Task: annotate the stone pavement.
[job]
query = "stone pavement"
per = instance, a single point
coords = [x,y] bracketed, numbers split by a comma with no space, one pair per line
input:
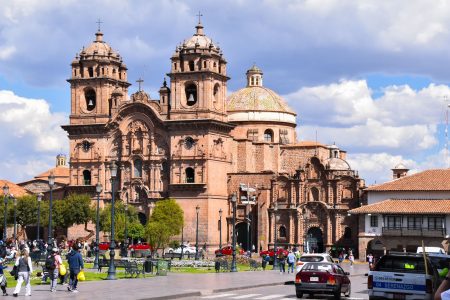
[175,285]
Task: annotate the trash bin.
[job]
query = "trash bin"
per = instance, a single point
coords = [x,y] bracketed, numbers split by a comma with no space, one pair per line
[148,266]
[161,267]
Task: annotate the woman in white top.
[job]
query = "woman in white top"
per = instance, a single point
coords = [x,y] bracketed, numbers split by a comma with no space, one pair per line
[24,270]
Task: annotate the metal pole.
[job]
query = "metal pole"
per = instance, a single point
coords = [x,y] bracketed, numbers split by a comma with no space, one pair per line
[196,239]
[248,230]
[5,216]
[39,221]
[182,246]
[126,225]
[220,232]
[112,267]
[15,222]
[275,259]
[50,235]
[97,226]
[233,261]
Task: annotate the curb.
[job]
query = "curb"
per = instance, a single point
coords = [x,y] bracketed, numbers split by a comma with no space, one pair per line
[248,287]
[176,296]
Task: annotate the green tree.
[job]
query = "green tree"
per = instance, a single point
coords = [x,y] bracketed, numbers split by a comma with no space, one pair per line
[135,228]
[166,221]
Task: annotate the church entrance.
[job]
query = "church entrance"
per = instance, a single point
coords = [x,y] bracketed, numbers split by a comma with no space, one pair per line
[242,235]
[314,240]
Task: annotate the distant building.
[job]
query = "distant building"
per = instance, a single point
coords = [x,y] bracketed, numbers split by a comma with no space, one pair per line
[406,211]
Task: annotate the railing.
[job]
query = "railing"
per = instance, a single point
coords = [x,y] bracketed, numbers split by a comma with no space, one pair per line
[414,231]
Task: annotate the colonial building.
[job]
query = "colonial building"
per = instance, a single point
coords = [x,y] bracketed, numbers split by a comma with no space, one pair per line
[406,211]
[193,144]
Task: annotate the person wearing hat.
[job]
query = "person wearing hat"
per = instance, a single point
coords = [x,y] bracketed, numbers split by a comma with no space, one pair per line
[54,274]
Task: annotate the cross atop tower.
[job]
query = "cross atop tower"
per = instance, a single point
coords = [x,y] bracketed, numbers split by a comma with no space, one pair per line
[139,81]
[99,22]
[199,15]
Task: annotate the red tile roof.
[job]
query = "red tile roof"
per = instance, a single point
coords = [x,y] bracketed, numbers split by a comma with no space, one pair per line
[14,189]
[429,180]
[405,206]
[61,174]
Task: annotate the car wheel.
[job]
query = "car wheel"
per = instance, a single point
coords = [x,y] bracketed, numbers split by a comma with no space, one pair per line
[298,294]
[171,251]
[349,291]
[337,294]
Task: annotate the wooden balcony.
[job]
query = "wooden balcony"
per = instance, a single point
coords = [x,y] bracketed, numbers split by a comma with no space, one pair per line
[405,231]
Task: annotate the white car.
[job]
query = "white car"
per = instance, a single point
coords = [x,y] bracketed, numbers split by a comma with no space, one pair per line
[313,257]
[187,249]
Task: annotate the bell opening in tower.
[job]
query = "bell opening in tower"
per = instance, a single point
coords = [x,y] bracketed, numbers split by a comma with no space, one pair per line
[90,97]
[191,94]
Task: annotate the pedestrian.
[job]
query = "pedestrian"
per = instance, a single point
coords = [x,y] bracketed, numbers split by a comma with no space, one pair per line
[370,260]
[54,261]
[76,265]
[351,258]
[341,257]
[282,262]
[443,291]
[24,269]
[291,261]
[3,282]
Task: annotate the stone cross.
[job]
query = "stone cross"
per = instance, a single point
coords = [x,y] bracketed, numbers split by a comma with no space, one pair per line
[99,22]
[139,81]
[199,16]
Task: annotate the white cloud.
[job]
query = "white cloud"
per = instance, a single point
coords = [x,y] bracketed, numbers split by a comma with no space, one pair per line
[7,52]
[31,135]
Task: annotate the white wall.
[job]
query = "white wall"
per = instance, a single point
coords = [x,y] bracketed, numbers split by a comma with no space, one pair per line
[374,197]
[372,231]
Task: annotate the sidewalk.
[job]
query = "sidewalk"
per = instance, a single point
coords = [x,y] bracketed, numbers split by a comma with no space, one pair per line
[175,285]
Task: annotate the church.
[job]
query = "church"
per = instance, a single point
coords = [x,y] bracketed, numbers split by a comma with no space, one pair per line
[203,147]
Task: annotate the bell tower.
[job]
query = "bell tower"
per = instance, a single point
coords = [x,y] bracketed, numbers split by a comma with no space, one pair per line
[198,79]
[97,71]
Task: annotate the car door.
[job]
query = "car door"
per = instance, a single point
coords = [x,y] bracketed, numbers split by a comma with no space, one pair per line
[345,281]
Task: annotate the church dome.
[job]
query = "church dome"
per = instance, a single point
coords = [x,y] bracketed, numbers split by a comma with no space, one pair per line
[336,163]
[256,98]
[99,49]
[199,41]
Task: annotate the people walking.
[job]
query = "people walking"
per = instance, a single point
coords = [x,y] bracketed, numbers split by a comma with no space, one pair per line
[3,283]
[291,261]
[75,261]
[53,268]
[24,269]
[282,262]
[351,258]
[370,260]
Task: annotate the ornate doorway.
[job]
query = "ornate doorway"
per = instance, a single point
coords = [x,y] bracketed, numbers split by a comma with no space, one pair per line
[314,240]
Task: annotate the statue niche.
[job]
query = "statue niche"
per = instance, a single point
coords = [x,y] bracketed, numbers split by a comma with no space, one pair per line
[137,133]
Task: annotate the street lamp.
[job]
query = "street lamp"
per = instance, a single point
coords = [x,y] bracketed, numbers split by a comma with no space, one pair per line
[51,183]
[39,199]
[126,223]
[233,261]
[11,196]
[5,200]
[197,210]
[305,243]
[112,267]
[98,190]
[220,228]
[275,252]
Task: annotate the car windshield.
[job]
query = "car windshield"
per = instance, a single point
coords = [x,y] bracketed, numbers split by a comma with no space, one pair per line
[311,258]
[321,267]
[403,264]
[440,262]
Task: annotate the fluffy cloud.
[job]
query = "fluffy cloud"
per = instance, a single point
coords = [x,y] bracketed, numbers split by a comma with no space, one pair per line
[31,136]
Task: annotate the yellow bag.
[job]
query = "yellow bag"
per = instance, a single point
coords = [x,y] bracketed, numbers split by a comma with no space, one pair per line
[81,276]
[62,270]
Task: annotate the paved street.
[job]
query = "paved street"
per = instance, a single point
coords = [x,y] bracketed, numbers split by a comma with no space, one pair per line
[193,286]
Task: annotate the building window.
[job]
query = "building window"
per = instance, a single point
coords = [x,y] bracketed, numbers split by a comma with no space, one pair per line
[347,233]
[91,71]
[91,99]
[373,221]
[87,177]
[282,232]
[284,139]
[190,175]
[191,94]
[191,65]
[216,92]
[204,64]
[137,168]
[268,136]
[394,222]
[252,135]
[314,194]
[414,222]
[434,223]
[175,66]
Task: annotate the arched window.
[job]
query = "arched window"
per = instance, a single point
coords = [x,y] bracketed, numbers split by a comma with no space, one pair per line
[348,233]
[191,94]
[87,177]
[282,232]
[314,194]
[174,66]
[216,92]
[204,64]
[91,71]
[137,168]
[190,175]
[191,65]
[91,99]
[268,136]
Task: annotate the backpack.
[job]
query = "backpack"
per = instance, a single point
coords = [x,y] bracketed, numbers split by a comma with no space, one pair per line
[50,263]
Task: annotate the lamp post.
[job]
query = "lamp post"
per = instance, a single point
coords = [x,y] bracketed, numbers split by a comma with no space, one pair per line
[197,210]
[275,252]
[233,261]
[126,223]
[11,196]
[305,246]
[112,267]
[39,199]
[98,190]
[220,228]
[51,183]
[5,200]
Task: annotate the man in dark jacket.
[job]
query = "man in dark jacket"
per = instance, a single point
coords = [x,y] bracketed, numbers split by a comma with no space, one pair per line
[75,261]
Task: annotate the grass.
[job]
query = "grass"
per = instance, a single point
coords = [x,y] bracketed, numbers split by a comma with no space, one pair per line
[191,270]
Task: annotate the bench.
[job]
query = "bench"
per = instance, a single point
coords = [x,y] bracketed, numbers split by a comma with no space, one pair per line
[254,265]
[132,268]
[105,263]
[172,255]
[224,266]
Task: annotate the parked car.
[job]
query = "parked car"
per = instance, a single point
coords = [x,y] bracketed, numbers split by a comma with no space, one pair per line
[313,257]
[187,249]
[322,278]
[140,246]
[271,252]
[103,246]
[228,250]
[402,276]
[441,262]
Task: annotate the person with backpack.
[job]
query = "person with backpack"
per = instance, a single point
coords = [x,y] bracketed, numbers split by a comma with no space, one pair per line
[75,261]
[24,270]
[52,264]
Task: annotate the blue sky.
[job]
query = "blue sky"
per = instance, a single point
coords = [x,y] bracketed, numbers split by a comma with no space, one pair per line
[370,76]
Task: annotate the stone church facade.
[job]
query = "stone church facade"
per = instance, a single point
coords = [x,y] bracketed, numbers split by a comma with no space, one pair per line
[199,147]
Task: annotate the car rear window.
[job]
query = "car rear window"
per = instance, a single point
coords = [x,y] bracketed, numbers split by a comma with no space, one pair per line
[311,258]
[318,267]
[401,264]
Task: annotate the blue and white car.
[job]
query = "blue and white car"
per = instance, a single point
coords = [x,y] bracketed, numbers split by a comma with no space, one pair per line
[403,276]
